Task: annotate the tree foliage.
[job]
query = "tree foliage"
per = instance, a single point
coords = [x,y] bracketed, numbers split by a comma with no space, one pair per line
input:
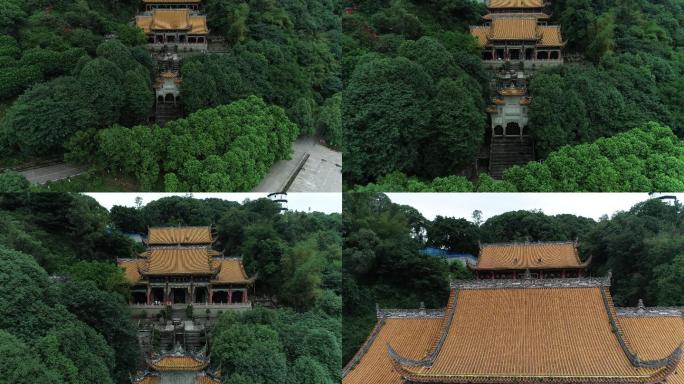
[227,148]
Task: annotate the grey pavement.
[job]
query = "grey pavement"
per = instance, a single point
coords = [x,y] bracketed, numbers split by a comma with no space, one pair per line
[322,171]
[55,172]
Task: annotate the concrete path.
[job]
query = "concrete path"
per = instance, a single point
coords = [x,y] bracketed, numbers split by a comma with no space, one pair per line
[320,172]
[54,172]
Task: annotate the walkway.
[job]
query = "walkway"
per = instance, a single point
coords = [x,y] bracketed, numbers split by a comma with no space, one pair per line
[53,172]
[313,168]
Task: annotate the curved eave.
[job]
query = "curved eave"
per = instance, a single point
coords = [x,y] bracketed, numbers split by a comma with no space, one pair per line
[413,374]
[364,348]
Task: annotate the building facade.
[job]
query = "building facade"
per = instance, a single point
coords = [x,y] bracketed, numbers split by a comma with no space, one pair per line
[523,330]
[174,24]
[180,268]
[177,367]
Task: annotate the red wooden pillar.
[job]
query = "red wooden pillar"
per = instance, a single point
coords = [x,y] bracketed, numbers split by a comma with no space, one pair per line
[230,296]
[149,293]
[209,290]
[244,298]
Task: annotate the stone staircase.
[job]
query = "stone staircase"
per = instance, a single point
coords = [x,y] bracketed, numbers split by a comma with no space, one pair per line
[166,112]
[507,151]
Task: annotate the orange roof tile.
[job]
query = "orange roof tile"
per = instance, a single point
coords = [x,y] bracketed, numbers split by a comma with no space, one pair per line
[131,269]
[513,29]
[651,337]
[179,235]
[412,337]
[536,15]
[480,33]
[143,22]
[172,19]
[550,36]
[199,25]
[515,4]
[528,256]
[231,271]
[512,91]
[531,333]
[178,363]
[207,380]
[178,261]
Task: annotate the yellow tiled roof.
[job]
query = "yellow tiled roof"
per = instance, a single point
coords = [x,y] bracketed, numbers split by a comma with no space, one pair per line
[480,33]
[412,338]
[539,333]
[652,337]
[179,235]
[513,29]
[207,380]
[178,261]
[528,256]
[173,19]
[199,25]
[515,4]
[178,363]
[550,36]
[536,15]
[231,271]
[143,22]
[131,269]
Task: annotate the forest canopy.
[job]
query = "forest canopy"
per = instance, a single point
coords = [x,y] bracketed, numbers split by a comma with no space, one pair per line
[74,74]
[624,70]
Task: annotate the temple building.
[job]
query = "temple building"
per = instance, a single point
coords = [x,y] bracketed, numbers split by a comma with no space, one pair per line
[517,31]
[524,330]
[174,24]
[177,367]
[180,267]
[516,39]
[544,260]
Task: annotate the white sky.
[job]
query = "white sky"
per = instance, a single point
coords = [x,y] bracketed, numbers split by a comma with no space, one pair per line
[592,205]
[304,202]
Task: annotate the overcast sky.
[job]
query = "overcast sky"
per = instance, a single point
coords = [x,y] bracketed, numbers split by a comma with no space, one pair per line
[592,205]
[304,202]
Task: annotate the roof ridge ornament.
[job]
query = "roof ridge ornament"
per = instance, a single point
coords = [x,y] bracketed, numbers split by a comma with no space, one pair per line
[579,282]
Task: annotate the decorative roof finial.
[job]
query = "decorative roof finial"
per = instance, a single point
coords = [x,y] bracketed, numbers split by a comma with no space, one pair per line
[641,306]
[528,275]
[422,308]
[377,310]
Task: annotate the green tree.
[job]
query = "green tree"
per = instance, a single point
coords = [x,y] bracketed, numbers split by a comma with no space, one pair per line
[385,106]
[11,181]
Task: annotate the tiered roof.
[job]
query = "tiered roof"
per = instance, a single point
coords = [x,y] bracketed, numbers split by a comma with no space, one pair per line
[517,29]
[176,361]
[177,251]
[172,19]
[497,4]
[559,330]
[521,256]
[179,235]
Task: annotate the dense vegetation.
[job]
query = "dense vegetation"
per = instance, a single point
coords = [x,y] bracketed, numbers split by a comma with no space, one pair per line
[286,52]
[646,159]
[227,148]
[643,247]
[74,75]
[400,119]
[75,327]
